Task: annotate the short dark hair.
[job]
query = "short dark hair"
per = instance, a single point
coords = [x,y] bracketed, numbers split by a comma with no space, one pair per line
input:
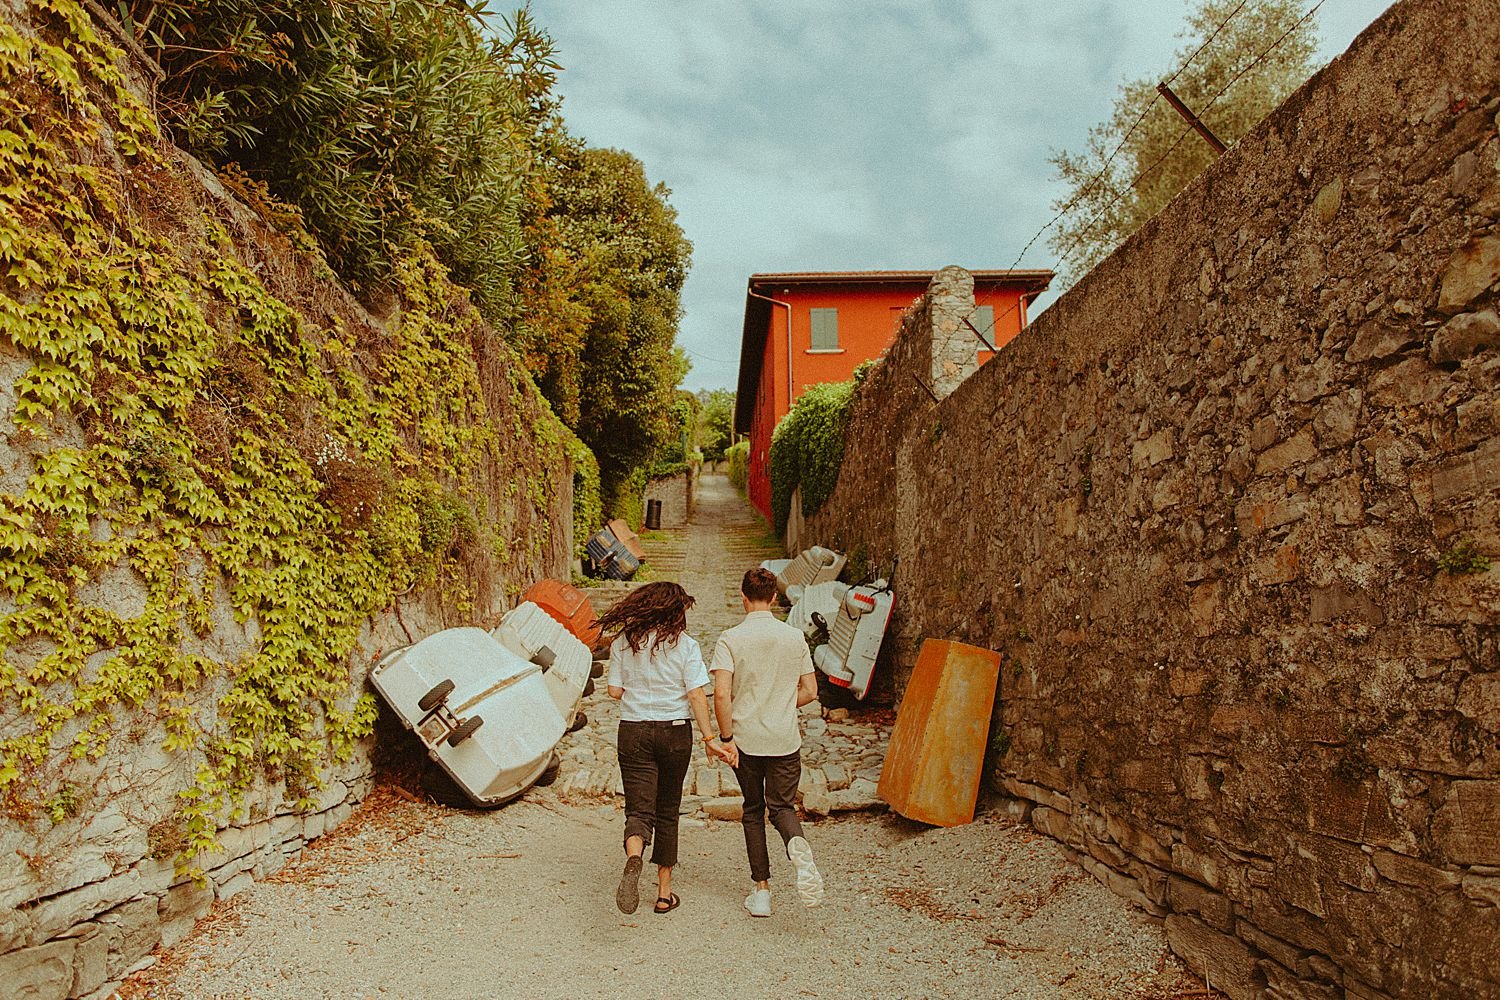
[759,585]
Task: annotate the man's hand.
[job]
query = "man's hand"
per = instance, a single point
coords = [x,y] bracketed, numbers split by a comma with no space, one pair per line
[727,752]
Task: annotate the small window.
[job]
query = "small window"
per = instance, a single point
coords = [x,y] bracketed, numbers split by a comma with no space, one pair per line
[825,329]
[983,319]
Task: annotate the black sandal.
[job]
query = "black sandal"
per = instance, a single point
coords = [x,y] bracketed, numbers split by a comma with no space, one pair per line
[672,903]
[628,895]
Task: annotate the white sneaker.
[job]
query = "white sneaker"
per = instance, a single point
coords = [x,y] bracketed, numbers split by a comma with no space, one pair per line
[809,881]
[759,903]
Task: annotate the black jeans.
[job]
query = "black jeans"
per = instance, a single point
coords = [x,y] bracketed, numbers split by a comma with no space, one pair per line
[654,758]
[768,783]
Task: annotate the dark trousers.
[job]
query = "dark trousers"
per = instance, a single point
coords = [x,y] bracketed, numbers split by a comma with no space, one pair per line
[654,758]
[768,783]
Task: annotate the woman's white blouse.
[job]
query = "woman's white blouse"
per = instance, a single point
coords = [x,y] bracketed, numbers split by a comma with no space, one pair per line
[656,683]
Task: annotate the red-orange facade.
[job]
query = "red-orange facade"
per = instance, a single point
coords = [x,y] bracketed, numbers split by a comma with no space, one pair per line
[804,329]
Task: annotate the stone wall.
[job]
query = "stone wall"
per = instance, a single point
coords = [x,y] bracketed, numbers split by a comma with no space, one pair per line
[1212,506]
[84,898]
[676,496]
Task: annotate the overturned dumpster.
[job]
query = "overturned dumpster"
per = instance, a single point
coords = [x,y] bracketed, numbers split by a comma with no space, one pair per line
[614,552]
[850,621]
[491,707]
[808,568]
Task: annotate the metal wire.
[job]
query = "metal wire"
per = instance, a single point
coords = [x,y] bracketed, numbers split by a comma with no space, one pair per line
[1063,257]
[1092,181]
[1076,241]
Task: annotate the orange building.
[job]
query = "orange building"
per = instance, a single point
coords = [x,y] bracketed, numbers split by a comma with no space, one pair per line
[802,329]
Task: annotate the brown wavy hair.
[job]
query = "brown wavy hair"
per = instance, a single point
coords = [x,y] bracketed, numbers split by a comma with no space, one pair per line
[656,609]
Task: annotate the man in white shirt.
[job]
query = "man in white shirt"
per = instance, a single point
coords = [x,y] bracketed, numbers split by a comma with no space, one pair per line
[762,674]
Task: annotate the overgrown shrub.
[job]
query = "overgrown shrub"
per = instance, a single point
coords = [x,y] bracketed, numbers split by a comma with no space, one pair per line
[588,505]
[807,449]
[738,456]
[380,121]
[626,498]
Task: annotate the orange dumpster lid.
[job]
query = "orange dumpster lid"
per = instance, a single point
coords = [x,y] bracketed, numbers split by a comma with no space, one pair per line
[569,606]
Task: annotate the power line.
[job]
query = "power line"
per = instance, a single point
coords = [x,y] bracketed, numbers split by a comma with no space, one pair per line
[705,357]
[1077,239]
[1104,170]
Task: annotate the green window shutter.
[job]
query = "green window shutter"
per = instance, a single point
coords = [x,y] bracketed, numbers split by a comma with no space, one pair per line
[825,329]
[984,321]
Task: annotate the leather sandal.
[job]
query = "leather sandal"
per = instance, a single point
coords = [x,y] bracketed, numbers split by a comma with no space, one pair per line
[672,903]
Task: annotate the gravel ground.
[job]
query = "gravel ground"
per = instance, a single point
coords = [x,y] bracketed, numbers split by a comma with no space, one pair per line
[412,900]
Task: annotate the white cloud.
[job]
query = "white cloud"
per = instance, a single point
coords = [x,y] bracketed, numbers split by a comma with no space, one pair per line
[817,134]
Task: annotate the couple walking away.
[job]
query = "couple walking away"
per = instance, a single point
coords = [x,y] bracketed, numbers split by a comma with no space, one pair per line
[762,673]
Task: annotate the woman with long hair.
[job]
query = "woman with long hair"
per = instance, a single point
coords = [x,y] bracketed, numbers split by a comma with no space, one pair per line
[656,671]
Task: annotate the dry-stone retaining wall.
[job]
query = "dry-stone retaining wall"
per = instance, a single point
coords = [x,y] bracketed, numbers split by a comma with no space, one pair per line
[1225,508]
[84,899]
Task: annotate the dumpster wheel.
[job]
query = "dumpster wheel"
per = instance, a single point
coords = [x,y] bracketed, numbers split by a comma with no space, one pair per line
[464,730]
[439,694]
[550,772]
[579,721]
[588,687]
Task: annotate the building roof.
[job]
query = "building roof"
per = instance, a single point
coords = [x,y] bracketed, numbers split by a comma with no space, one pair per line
[758,311]
[1035,281]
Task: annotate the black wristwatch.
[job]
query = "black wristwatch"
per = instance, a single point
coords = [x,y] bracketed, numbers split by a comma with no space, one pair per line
[725,739]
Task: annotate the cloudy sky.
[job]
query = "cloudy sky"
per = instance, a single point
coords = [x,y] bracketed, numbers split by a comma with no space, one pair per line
[835,134]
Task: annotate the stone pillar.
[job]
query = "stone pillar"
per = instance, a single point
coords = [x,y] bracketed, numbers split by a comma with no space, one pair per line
[955,349]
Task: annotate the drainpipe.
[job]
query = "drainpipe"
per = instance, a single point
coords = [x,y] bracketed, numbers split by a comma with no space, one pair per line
[788,307]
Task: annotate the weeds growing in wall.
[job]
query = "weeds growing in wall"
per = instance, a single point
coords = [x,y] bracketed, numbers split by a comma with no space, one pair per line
[188,429]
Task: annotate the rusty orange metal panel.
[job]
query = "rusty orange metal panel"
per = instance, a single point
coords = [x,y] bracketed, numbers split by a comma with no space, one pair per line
[932,767]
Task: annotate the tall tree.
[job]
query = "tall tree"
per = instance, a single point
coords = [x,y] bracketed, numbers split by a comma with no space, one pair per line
[611,259]
[1225,80]
[715,422]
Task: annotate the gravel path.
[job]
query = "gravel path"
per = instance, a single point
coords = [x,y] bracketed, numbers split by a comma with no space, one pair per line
[414,900]
[411,901]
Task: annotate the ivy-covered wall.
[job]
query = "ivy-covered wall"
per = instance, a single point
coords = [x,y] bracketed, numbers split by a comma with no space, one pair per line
[225,486]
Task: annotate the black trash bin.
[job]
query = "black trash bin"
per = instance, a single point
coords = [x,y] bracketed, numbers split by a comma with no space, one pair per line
[653,515]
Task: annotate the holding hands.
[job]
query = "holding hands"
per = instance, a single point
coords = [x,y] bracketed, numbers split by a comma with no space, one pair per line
[726,752]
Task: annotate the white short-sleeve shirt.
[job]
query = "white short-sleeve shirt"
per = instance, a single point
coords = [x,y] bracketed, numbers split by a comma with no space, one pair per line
[768,658]
[656,681]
